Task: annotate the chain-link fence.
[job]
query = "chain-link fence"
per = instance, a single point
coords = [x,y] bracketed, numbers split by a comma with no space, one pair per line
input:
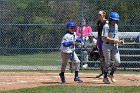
[31,30]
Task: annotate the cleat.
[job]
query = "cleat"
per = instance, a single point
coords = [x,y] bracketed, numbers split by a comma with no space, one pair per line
[78,80]
[99,76]
[106,81]
[112,78]
[62,78]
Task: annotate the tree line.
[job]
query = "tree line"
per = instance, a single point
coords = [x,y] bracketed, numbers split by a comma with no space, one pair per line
[52,15]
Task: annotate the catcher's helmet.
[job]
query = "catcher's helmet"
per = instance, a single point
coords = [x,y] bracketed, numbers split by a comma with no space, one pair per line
[114,16]
[70,24]
[94,54]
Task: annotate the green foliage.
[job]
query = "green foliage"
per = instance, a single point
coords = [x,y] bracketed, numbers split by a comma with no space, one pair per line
[48,12]
[41,20]
[21,3]
[20,19]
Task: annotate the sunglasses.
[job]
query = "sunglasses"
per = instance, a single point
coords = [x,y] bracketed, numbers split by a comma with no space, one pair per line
[98,14]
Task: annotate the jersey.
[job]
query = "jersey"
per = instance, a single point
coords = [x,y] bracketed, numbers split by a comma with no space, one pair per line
[100,25]
[68,38]
[110,31]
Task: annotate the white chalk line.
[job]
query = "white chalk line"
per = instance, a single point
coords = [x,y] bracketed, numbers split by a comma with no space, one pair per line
[27,79]
[9,83]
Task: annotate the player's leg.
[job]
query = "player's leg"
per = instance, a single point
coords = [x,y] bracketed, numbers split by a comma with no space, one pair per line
[116,59]
[77,67]
[85,59]
[71,63]
[101,58]
[85,55]
[64,57]
[106,53]
[71,66]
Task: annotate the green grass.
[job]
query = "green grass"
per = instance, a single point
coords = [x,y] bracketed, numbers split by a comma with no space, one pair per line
[52,58]
[79,89]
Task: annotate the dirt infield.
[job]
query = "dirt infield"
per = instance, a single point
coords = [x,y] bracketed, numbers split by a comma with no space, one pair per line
[18,80]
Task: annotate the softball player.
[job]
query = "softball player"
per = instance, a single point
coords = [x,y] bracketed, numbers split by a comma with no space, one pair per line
[68,51]
[102,16]
[110,46]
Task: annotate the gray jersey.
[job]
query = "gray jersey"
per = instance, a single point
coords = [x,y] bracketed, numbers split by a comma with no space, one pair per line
[110,50]
[110,31]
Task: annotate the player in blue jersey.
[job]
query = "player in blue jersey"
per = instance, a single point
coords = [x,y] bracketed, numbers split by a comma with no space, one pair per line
[68,43]
[111,41]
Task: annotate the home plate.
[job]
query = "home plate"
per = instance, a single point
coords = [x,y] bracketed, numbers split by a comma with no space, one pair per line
[22,81]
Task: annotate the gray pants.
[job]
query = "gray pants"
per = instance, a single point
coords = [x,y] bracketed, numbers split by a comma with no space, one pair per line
[110,51]
[85,56]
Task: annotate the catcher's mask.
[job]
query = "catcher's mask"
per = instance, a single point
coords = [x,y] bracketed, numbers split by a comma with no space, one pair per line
[94,54]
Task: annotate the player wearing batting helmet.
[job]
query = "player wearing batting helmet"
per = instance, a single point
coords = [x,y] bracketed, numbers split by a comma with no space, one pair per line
[111,40]
[67,49]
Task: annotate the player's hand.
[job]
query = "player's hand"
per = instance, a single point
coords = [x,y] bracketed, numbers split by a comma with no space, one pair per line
[121,41]
[74,42]
[117,41]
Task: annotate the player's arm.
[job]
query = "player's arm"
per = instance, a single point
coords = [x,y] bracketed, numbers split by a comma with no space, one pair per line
[105,33]
[107,39]
[79,41]
[66,41]
[111,40]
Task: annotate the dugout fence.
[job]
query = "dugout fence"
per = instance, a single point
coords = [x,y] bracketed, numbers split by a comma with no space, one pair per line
[31,31]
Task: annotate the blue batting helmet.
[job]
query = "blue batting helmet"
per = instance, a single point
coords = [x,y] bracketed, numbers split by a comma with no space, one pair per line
[114,16]
[70,24]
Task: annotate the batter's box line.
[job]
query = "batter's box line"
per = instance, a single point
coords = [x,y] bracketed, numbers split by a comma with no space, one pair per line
[10,83]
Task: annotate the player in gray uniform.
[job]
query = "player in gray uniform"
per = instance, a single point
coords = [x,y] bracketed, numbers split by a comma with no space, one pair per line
[110,46]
